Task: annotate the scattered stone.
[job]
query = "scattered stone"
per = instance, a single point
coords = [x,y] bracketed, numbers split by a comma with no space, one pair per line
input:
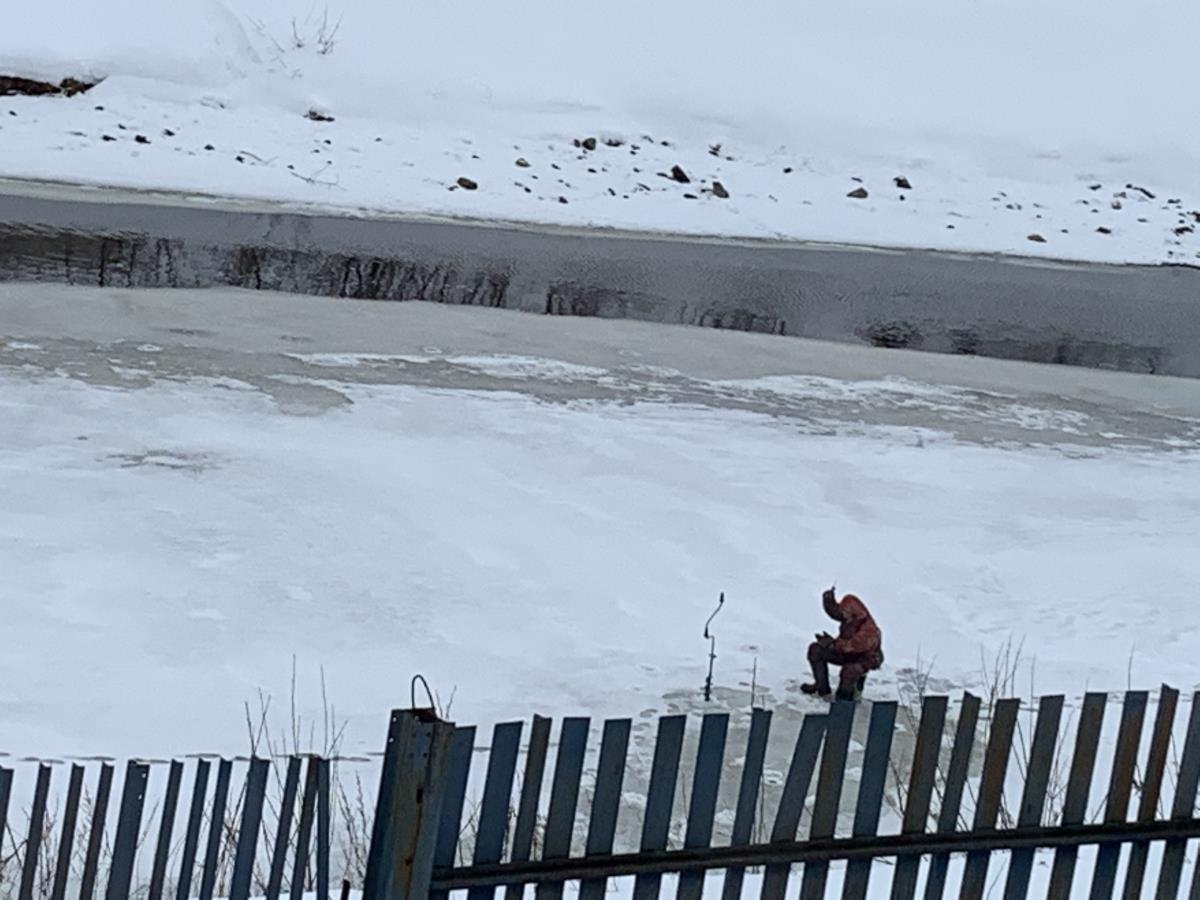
[589,143]
[240,158]
[1184,229]
[99,109]
[107,137]
[1143,219]
[613,142]
[122,127]
[562,200]
[677,174]
[209,147]
[859,193]
[902,183]
[718,190]
[1036,238]
[556,167]
[714,150]
[167,132]
[690,197]
[1116,204]
[950,227]
[856,178]
[141,139]
[467,184]
[1095,187]
[1142,190]
[591,171]
[522,163]
[902,198]
[1104,230]
[787,170]
[316,115]
[612,192]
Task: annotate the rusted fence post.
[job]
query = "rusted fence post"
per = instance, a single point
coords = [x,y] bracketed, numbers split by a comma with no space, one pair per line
[404,837]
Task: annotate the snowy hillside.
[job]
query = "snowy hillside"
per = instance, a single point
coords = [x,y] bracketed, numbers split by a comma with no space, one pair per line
[1062,130]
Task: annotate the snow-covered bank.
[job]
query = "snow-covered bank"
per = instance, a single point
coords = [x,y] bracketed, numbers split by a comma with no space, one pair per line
[194,489]
[1019,128]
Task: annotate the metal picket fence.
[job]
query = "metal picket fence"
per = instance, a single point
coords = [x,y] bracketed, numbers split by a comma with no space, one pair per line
[203,837]
[972,798]
[992,806]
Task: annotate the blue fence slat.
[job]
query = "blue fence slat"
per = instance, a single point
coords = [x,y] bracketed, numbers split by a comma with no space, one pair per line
[287,809]
[497,797]
[129,826]
[91,858]
[308,808]
[531,792]
[1152,781]
[323,836]
[792,800]
[991,793]
[564,798]
[706,781]
[956,782]
[166,829]
[660,798]
[606,800]
[66,840]
[33,843]
[1182,807]
[829,793]
[1033,798]
[191,837]
[1079,788]
[870,794]
[458,770]
[6,777]
[1120,789]
[920,791]
[248,829]
[216,828]
[744,816]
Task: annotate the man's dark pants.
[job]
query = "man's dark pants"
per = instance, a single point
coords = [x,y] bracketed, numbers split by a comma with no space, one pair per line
[854,668]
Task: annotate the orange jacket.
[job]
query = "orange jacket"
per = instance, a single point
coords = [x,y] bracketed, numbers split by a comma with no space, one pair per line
[858,634]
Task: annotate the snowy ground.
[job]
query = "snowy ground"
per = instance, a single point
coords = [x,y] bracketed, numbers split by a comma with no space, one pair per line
[1063,130]
[538,513]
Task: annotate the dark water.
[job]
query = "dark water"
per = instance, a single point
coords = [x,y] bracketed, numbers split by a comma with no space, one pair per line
[1141,319]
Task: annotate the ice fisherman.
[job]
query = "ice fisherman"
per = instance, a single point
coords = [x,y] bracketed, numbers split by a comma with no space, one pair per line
[858,648]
